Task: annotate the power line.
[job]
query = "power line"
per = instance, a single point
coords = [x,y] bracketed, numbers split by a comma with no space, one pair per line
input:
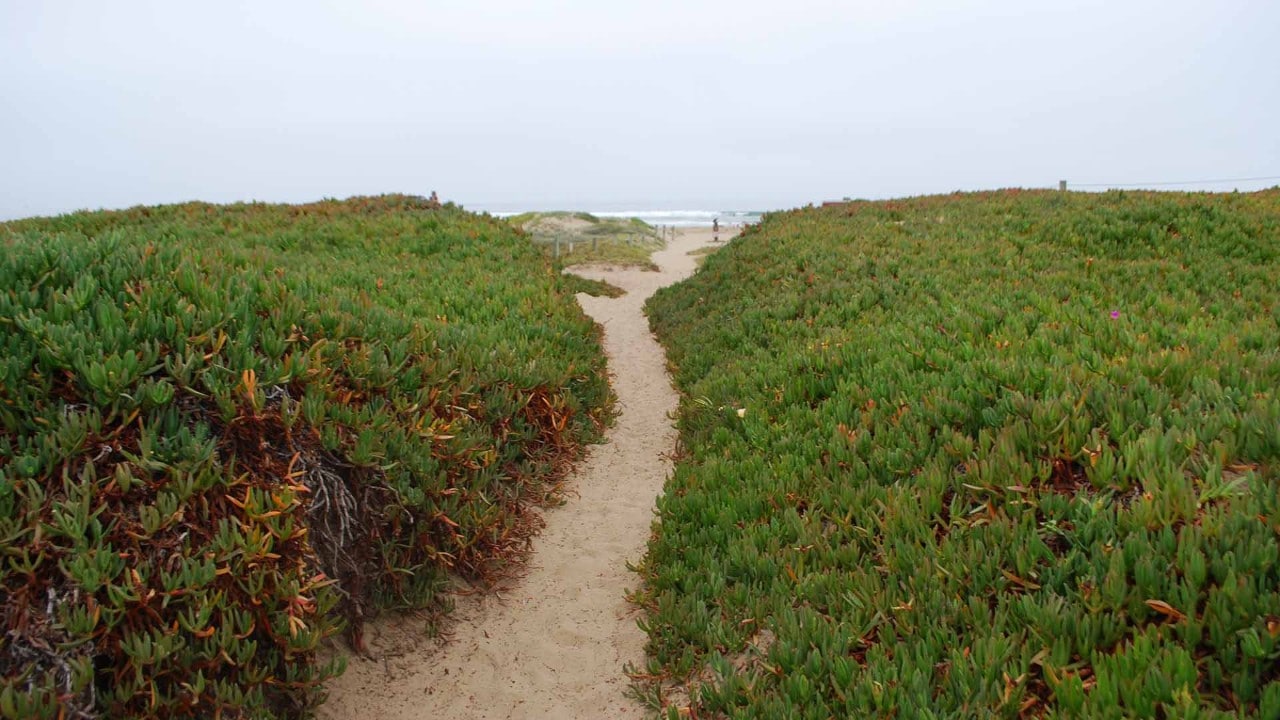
[1178,182]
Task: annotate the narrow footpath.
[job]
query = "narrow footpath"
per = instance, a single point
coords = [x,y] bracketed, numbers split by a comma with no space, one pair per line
[555,644]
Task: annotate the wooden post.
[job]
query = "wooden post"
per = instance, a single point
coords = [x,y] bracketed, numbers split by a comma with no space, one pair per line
[1062,185]
[556,253]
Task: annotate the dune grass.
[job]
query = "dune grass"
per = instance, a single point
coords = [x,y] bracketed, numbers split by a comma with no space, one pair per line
[585,239]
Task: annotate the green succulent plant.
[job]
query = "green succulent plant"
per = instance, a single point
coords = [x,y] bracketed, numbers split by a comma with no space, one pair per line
[1007,454]
[229,432]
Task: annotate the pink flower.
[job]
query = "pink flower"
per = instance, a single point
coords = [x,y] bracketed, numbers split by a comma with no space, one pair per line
[1115,314]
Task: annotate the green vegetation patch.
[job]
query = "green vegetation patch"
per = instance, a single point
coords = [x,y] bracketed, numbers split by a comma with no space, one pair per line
[581,238]
[700,254]
[1010,454]
[227,430]
[596,288]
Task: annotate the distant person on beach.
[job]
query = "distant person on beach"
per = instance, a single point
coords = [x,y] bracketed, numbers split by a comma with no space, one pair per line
[715,229]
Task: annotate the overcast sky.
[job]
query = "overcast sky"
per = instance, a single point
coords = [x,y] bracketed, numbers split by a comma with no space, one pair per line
[599,104]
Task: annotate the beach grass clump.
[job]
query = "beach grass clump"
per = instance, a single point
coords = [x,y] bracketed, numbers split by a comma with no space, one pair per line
[1008,454]
[596,288]
[228,432]
[582,238]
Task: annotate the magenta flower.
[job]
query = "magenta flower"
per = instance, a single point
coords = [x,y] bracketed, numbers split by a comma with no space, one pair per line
[1115,314]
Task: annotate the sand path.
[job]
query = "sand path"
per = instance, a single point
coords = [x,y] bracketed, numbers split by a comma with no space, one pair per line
[555,644]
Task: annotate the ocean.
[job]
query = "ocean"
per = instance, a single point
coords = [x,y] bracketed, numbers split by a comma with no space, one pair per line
[668,218]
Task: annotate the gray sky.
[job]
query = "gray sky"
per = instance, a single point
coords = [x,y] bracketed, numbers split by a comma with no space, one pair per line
[608,105]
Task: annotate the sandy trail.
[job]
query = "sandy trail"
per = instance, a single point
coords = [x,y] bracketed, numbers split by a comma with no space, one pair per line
[553,646]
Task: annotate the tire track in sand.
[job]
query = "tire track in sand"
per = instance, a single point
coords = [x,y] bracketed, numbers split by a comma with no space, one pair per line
[553,646]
